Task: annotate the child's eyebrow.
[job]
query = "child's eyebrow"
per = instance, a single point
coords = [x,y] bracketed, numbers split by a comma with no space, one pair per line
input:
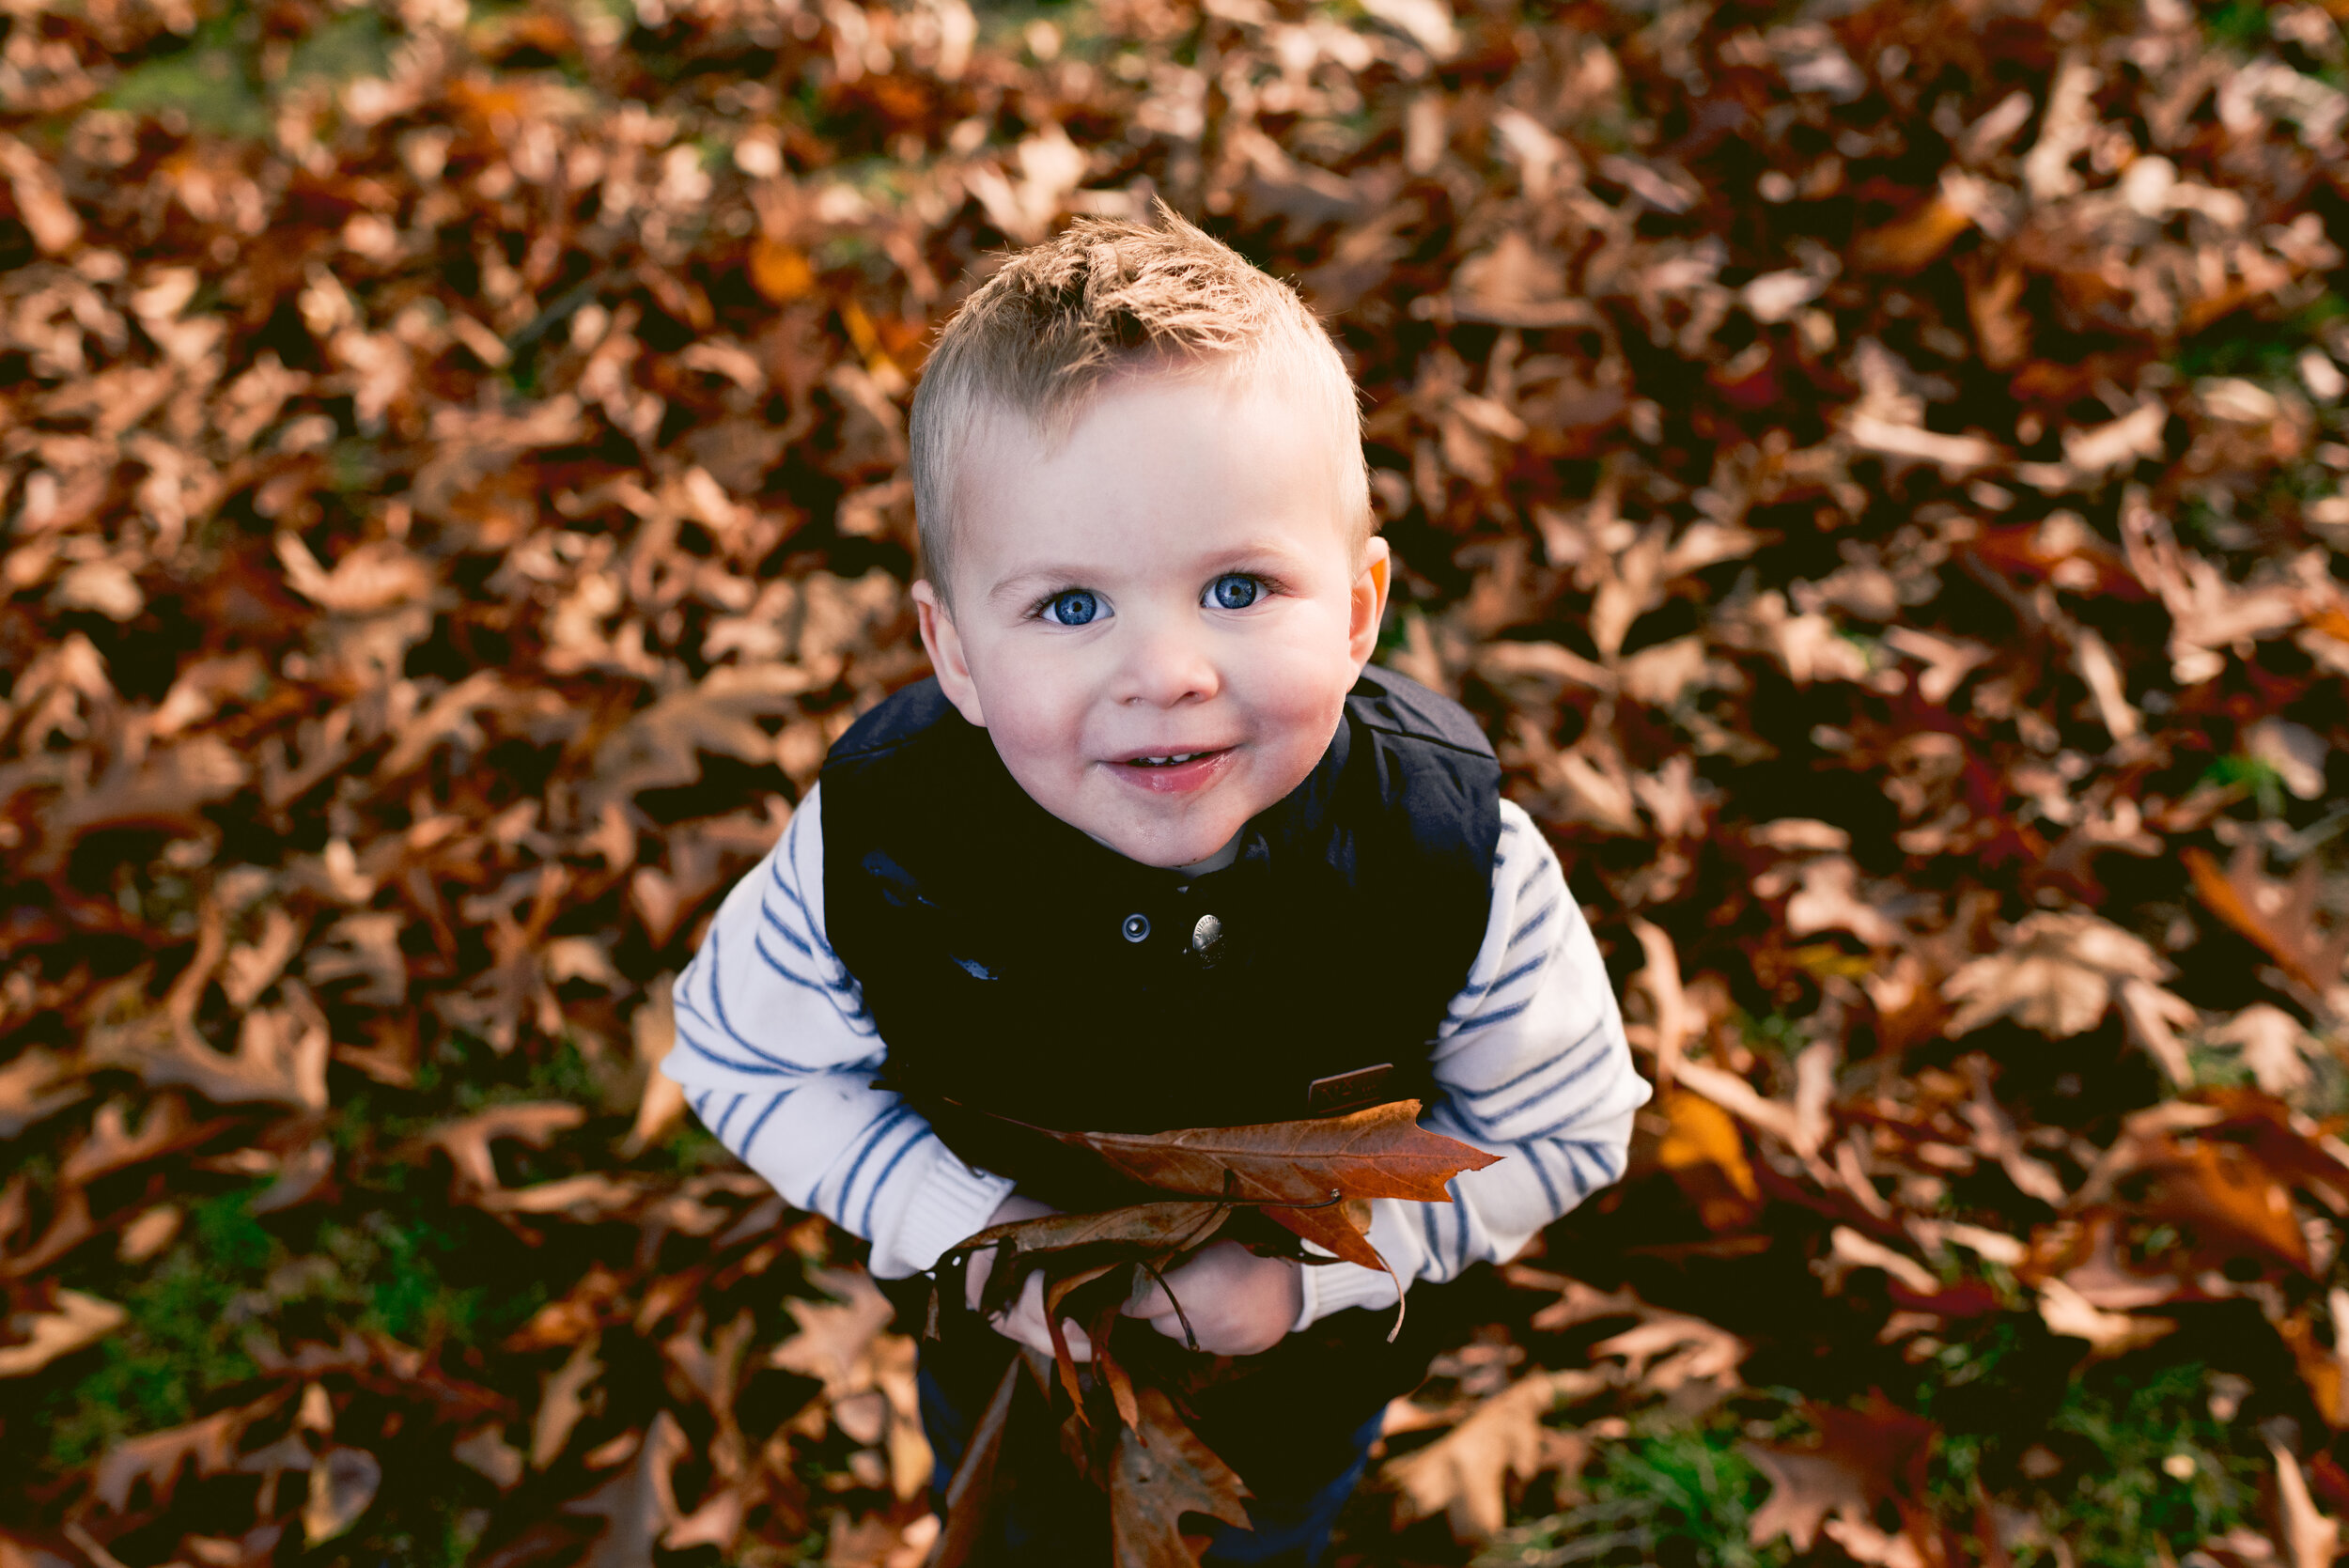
[1031,580]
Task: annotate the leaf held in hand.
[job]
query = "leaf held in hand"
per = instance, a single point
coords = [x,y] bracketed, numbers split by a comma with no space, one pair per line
[1164,1471]
[1301,1170]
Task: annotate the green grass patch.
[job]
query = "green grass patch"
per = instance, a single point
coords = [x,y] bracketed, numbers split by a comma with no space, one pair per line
[207,83]
[183,1341]
[2242,345]
[2124,1461]
[2256,776]
[1674,1492]
[2240,24]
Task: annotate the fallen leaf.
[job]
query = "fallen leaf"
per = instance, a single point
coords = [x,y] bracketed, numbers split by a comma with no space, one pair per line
[2066,1311]
[150,1233]
[2310,1539]
[34,1085]
[467,1142]
[1162,1472]
[157,1458]
[1708,1160]
[166,789]
[561,1403]
[661,746]
[1463,1474]
[835,1337]
[253,967]
[1804,1488]
[1669,1350]
[639,1504]
[653,1028]
[488,1452]
[2057,974]
[2280,917]
[37,1339]
[280,1056]
[1849,1249]
[971,1492]
[1861,1458]
[588,1198]
[2272,1042]
[1802,1125]
[343,1482]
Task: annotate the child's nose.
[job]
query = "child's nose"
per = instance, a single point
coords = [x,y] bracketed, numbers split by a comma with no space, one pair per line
[1163,666]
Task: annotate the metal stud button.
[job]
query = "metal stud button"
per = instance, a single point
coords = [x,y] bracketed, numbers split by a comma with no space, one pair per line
[1207,936]
[1136,928]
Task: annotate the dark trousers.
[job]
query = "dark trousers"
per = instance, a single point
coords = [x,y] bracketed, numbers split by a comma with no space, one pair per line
[1296,1422]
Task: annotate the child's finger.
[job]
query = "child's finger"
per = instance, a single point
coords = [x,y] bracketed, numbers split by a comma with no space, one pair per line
[975,1277]
[1031,1333]
[1025,1323]
[1149,1300]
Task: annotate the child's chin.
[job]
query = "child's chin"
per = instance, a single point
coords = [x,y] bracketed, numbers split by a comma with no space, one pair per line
[1151,844]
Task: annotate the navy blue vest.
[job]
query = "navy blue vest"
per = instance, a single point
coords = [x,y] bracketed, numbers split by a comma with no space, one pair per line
[1016,967]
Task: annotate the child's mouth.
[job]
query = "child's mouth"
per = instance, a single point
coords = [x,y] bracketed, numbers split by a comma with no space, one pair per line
[1173,771]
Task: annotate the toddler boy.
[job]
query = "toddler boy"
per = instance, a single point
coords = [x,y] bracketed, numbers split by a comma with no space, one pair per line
[1155,849]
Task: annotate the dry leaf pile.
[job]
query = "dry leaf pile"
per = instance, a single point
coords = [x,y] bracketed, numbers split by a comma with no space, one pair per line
[1879,469]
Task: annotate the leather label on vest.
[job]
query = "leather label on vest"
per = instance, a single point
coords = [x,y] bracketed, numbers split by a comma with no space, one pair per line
[1328,1097]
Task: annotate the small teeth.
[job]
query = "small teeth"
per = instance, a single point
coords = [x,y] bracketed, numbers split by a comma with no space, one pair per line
[1167,761]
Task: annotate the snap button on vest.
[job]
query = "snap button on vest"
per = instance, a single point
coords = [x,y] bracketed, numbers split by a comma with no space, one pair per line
[1136,928]
[1206,937]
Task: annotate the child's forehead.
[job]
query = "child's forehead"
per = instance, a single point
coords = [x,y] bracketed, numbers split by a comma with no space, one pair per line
[1161,438]
[1224,387]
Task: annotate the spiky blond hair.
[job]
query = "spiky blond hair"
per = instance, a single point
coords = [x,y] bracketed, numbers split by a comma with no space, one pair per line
[1044,336]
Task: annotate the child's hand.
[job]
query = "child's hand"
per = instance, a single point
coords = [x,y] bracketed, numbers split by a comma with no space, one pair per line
[1023,1320]
[1239,1303]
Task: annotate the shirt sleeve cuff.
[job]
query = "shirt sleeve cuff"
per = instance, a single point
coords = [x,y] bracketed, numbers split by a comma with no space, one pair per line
[951,1202]
[1332,1287]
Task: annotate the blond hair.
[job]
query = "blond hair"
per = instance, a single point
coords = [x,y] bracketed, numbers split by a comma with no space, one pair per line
[1105,297]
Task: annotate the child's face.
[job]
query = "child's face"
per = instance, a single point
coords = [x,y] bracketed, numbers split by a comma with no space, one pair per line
[1158,620]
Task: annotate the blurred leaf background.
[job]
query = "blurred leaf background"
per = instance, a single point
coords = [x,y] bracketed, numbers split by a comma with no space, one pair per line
[1878,469]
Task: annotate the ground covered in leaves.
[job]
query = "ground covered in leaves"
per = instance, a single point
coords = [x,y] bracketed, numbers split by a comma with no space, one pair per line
[1879,466]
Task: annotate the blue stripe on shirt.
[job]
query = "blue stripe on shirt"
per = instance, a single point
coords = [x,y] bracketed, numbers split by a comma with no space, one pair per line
[806,949]
[750,1138]
[870,1135]
[813,945]
[790,889]
[1574,1170]
[1540,917]
[765,1066]
[872,1194]
[1598,1059]
[1604,1156]
[1529,966]
[685,1039]
[1531,1152]
[856,1019]
[718,1003]
[1534,1071]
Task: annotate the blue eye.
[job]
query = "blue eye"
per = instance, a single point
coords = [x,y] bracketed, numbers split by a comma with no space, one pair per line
[1234,591]
[1076,607]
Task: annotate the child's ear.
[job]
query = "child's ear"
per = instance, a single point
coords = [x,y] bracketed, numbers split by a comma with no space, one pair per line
[944,645]
[1370,601]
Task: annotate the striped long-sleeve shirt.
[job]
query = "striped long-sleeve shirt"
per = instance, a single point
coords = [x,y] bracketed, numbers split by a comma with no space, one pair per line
[777,1054]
